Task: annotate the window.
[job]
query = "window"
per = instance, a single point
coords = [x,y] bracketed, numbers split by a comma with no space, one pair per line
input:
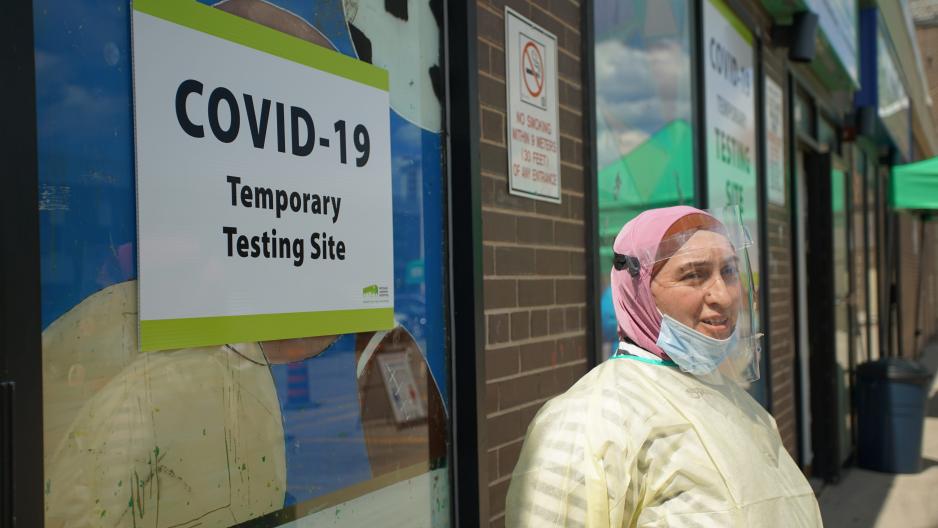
[644,138]
[219,435]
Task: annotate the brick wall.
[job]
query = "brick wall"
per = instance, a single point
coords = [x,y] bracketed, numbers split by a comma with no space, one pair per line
[781,310]
[535,280]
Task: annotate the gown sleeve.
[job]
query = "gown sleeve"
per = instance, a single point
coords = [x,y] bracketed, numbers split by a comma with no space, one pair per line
[575,466]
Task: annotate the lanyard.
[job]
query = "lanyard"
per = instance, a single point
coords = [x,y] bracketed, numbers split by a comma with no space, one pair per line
[659,362]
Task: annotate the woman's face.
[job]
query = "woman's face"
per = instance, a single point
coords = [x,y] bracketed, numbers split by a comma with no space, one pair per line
[700,286]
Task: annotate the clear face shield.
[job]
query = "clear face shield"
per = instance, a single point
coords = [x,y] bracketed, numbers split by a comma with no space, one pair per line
[703,286]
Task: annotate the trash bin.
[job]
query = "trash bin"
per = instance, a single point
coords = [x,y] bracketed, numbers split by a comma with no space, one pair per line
[891,398]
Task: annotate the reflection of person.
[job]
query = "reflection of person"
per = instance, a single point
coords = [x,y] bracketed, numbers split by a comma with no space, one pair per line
[165,438]
[662,434]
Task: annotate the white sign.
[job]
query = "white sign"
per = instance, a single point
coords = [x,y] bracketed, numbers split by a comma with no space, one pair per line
[403,394]
[729,92]
[533,134]
[774,143]
[263,182]
[730,113]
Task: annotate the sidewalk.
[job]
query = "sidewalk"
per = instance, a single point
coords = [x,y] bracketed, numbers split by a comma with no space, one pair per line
[868,498]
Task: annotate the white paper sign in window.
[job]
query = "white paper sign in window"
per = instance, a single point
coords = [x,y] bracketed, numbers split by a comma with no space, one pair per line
[263,182]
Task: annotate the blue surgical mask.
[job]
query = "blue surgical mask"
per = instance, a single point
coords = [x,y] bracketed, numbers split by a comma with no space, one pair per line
[693,352]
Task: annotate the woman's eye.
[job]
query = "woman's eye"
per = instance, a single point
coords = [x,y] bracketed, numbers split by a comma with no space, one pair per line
[691,276]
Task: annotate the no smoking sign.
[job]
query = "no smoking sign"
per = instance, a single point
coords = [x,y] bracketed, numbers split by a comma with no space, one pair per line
[533,108]
[533,71]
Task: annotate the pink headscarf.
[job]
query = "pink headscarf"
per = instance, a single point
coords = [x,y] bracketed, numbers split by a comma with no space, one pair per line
[636,312]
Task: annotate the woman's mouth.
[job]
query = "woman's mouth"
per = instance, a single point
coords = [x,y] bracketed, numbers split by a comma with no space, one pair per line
[718,326]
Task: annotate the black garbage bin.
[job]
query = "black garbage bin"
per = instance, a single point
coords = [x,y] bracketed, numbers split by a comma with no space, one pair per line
[891,398]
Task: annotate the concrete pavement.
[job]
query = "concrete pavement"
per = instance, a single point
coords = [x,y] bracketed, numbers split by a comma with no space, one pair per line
[881,500]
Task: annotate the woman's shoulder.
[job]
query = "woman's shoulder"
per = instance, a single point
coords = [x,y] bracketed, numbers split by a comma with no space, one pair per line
[612,396]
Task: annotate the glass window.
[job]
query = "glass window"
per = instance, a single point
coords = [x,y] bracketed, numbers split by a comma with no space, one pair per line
[804,114]
[644,140]
[894,106]
[827,134]
[280,431]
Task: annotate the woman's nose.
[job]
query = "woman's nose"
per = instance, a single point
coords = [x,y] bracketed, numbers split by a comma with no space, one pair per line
[718,293]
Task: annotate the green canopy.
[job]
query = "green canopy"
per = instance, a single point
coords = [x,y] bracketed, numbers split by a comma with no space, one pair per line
[657,173]
[915,185]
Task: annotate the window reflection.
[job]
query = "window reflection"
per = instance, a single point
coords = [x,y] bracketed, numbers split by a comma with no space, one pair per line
[347,428]
[644,139]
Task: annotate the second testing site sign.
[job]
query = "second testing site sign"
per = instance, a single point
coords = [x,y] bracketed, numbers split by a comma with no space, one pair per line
[533,135]
[263,182]
[729,85]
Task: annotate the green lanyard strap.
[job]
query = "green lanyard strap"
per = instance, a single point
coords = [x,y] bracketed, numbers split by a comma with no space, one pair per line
[659,362]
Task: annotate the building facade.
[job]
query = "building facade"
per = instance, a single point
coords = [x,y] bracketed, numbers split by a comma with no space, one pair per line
[373,350]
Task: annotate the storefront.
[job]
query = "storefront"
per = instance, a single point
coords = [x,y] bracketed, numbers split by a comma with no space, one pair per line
[288,263]
[236,274]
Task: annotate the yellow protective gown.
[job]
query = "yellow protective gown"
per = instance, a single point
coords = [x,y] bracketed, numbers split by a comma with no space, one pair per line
[634,443]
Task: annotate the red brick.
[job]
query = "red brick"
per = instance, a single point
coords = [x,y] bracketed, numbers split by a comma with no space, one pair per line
[535,230]
[500,293]
[492,92]
[538,355]
[488,260]
[498,329]
[571,178]
[556,320]
[498,63]
[569,234]
[536,292]
[571,319]
[493,126]
[506,427]
[552,262]
[502,362]
[570,123]
[497,494]
[570,94]
[493,159]
[498,227]
[513,260]
[482,57]
[571,291]
[520,326]
[507,458]
[492,457]
[491,398]
[490,26]
[539,325]
[495,193]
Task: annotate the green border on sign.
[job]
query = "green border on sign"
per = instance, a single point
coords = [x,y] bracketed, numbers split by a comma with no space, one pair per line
[169,334]
[239,30]
[733,20]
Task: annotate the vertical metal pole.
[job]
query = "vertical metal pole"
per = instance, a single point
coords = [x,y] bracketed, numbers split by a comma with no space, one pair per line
[594,265]
[21,489]
[467,326]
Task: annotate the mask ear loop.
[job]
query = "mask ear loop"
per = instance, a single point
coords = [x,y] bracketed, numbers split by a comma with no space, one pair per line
[620,262]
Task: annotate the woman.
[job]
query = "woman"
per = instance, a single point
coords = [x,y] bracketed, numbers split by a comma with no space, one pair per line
[663,434]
